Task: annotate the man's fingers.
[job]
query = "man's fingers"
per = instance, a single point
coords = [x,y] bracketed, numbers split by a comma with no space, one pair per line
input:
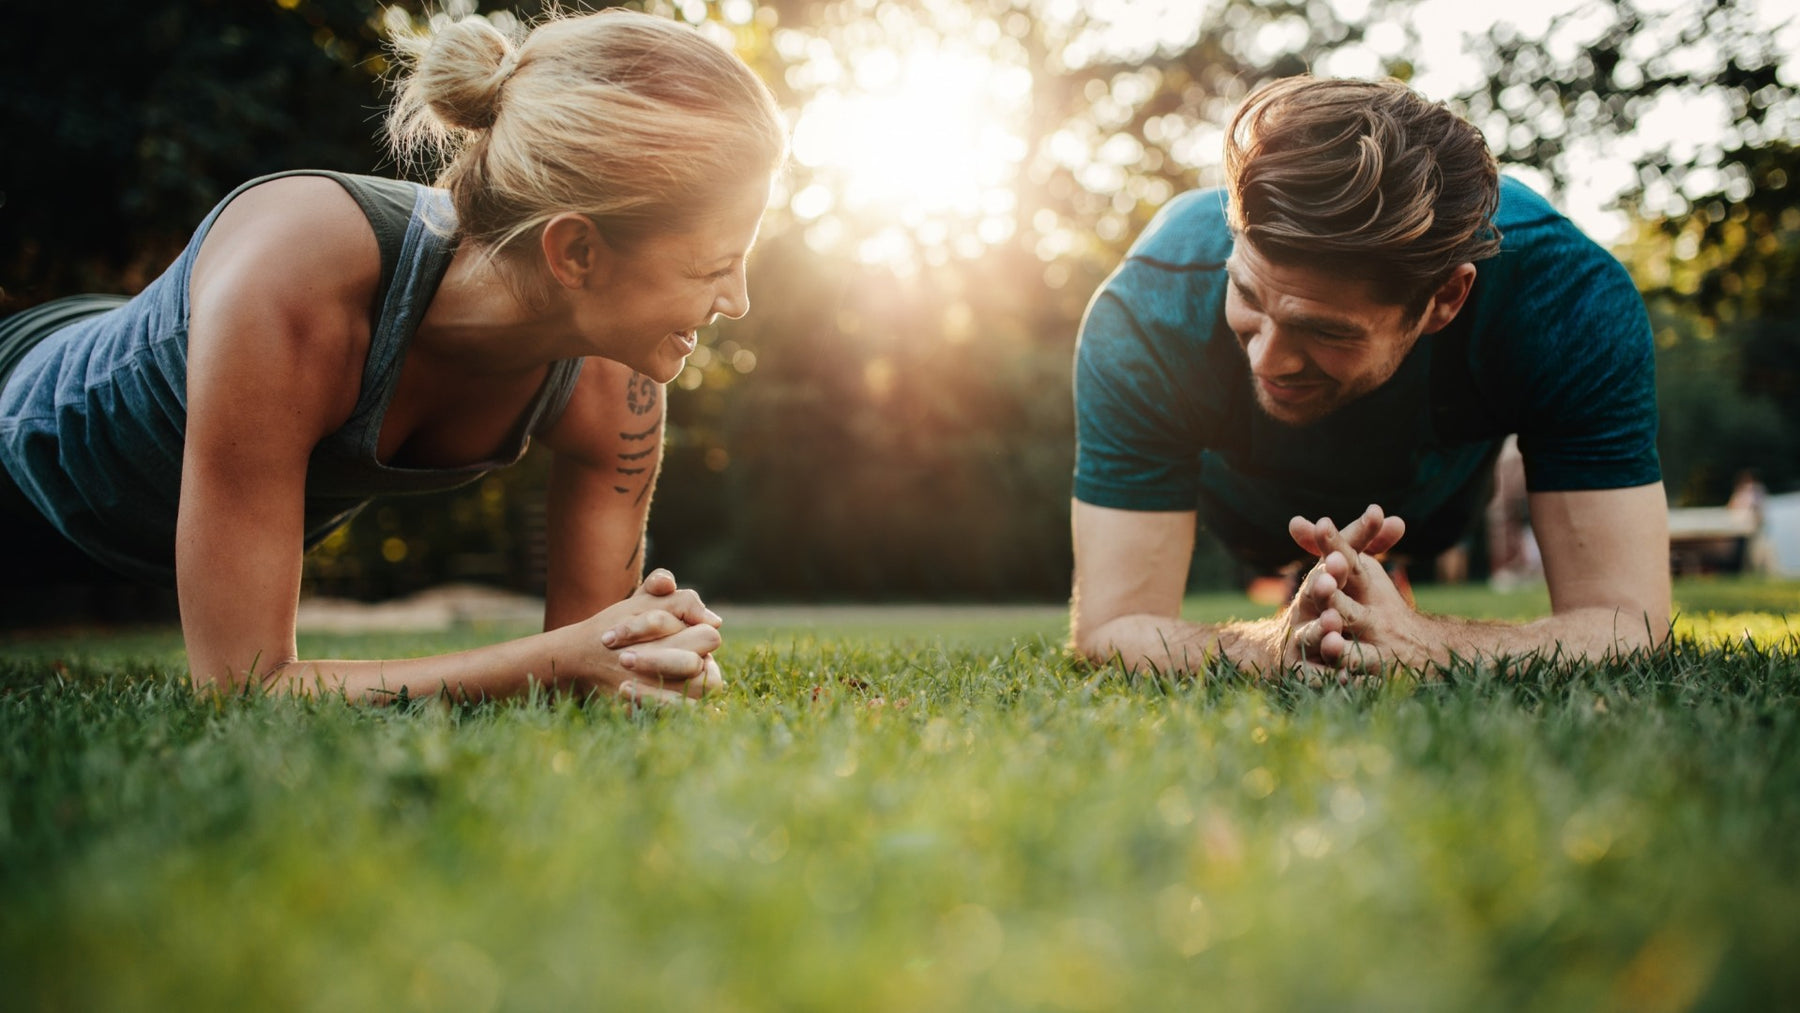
[1358,532]
[1352,614]
[1361,570]
[1333,543]
[1308,637]
[1319,586]
[1372,532]
[1391,531]
[1337,566]
[1331,648]
[1304,534]
[1356,657]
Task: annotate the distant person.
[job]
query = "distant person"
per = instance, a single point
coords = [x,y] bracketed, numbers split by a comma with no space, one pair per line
[1748,505]
[326,339]
[1512,550]
[1340,338]
[1748,496]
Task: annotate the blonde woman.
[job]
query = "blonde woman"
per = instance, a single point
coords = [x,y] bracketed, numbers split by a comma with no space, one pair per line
[328,339]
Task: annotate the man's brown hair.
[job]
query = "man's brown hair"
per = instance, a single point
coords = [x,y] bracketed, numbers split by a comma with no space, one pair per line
[1364,179]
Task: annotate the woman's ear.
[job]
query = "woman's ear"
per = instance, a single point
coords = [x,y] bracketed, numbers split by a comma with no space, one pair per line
[574,251]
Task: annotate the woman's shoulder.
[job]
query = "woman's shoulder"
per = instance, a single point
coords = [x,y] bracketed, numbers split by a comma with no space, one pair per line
[296,243]
[283,285]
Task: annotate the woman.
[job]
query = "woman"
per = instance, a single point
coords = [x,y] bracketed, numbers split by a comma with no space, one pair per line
[325,339]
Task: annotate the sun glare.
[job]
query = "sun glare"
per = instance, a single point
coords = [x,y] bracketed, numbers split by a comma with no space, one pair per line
[920,145]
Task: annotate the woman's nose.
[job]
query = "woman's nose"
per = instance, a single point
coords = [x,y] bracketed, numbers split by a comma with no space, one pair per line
[733,300]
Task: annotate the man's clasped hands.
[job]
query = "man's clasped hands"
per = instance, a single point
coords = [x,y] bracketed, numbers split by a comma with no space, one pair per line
[1348,619]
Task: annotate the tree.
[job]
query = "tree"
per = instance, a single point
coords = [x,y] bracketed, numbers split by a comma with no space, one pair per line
[120,140]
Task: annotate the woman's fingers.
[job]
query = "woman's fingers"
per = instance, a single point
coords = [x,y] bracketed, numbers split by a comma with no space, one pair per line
[659,582]
[637,693]
[645,626]
[670,597]
[674,658]
[710,680]
[661,692]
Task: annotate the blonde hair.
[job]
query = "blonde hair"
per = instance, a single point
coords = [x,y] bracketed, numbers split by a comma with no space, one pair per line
[640,123]
[1363,178]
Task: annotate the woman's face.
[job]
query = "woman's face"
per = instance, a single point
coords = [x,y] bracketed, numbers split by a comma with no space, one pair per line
[649,304]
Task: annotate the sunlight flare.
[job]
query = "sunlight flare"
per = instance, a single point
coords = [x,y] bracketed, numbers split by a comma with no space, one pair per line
[922,143]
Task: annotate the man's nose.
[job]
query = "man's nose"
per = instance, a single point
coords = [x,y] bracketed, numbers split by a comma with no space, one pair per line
[1273,352]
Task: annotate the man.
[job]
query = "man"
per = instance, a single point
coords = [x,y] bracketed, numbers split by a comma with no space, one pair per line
[1361,316]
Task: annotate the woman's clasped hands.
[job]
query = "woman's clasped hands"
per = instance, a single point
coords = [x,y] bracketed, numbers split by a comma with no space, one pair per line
[657,645]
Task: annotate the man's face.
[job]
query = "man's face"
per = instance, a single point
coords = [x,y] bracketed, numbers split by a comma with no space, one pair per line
[1315,342]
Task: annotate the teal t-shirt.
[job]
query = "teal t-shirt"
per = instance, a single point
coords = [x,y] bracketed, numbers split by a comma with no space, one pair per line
[1553,344]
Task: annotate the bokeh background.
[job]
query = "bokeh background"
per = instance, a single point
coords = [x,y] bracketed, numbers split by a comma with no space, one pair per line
[893,418]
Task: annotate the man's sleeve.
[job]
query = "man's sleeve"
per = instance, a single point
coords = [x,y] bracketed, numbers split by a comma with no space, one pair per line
[1591,419]
[1137,386]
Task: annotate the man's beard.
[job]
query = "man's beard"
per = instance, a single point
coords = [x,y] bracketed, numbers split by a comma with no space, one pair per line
[1327,398]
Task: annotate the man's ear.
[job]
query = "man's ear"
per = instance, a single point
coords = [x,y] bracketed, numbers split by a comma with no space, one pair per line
[1449,298]
[575,252]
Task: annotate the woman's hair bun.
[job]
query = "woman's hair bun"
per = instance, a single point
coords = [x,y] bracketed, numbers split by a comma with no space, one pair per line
[641,123]
[458,76]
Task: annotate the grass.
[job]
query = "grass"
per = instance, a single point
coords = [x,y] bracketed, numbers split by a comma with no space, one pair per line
[883,815]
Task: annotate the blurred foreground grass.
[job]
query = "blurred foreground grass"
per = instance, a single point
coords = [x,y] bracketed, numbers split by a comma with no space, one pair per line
[890,816]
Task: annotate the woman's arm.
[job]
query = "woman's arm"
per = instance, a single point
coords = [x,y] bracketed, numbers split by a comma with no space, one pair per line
[277,338]
[608,448]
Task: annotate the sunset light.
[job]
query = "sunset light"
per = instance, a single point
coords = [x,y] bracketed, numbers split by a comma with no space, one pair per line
[916,138]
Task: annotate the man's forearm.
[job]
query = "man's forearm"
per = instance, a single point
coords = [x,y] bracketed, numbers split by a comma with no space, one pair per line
[1145,643]
[1578,633]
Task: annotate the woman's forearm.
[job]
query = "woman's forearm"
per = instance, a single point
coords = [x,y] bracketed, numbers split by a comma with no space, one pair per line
[560,659]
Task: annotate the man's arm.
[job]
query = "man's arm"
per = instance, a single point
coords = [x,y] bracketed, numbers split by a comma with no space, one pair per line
[1606,558]
[1130,572]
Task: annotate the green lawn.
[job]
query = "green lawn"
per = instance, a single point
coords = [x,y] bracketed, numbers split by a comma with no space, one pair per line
[890,814]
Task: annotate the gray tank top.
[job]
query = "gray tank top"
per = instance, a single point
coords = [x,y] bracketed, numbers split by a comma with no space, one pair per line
[93,413]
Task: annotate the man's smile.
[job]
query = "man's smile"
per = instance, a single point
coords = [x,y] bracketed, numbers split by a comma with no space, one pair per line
[1290,391]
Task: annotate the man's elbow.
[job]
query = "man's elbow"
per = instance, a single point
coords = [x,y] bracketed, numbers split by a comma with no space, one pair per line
[1086,646]
[1654,628]
[1092,641]
[1634,627]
